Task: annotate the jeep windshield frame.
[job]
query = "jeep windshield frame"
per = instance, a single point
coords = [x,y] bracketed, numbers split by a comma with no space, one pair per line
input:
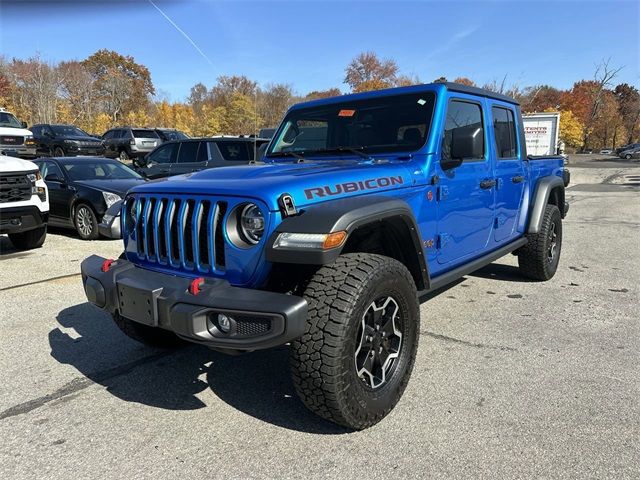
[381,124]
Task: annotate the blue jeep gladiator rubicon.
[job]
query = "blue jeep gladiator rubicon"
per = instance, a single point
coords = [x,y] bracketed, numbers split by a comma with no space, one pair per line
[360,205]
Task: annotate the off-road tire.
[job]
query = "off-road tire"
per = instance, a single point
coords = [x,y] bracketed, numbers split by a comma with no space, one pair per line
[82,212]
[150,336]
[323,360]
[534,258]
[30,239]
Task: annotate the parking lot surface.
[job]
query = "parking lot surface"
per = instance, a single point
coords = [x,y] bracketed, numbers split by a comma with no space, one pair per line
[513,378]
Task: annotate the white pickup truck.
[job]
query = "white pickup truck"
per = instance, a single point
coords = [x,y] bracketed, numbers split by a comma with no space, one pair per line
[24,203]
[15,139]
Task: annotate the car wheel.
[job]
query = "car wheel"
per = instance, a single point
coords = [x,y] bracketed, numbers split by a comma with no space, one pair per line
[539,258]
[29,239]
[86,222]
[123,156]
[58,152]
[355,358]
[627,157]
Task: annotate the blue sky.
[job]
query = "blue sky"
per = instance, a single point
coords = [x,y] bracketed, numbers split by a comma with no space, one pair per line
[308,43]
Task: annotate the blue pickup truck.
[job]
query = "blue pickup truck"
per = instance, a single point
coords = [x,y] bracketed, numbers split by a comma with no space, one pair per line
[359,206]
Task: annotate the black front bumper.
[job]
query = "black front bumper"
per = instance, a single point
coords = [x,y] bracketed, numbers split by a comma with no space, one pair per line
[21,219]
[259,319]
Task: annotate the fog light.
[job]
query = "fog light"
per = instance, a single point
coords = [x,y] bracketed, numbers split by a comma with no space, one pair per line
[224,323]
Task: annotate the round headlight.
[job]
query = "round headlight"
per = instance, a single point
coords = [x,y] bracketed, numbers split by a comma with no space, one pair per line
[251,223]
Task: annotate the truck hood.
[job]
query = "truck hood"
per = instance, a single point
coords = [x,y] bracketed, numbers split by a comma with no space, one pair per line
[18,132]
[12,164]
[308,183]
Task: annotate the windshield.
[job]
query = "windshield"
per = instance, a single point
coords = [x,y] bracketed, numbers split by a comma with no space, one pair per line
[100,170]
[8,120]
[398,123]
[68,131]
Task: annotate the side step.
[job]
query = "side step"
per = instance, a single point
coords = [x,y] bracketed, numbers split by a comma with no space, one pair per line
[451,276]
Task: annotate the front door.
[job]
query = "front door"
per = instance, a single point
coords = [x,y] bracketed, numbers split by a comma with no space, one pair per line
[509,172]
[60,193]
[466,193]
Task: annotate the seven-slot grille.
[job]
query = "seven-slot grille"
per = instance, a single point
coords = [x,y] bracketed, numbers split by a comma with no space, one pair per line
[11,139]
[14,188]
[180,232]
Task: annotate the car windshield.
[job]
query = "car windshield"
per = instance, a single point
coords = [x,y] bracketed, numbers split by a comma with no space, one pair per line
[100,170]
[397,123]
[8,120]
[68,131]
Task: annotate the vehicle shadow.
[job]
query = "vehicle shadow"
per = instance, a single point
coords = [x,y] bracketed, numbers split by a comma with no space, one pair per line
[257,384]
[499,271]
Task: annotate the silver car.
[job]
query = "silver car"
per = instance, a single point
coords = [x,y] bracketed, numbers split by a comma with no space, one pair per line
[631,153]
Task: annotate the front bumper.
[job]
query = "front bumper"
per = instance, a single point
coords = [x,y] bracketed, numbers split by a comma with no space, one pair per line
[84,150]
[20,151]
[21,219]
[259,319]
[110,229]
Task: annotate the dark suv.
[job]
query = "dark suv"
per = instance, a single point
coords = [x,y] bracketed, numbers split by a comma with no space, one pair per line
[129,143]
[186,156]
[64,141]
[168,134]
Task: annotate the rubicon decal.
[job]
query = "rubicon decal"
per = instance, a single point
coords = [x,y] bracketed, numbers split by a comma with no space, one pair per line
[350,187]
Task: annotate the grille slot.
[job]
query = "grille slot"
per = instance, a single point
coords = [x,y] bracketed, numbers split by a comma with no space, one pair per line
[14,188]
[11,140]
[251,327]
[182,233]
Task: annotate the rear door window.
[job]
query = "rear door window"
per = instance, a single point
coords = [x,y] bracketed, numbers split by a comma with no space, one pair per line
[504,131]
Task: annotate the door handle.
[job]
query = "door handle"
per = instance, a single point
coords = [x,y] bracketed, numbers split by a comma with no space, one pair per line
[487,184]
[517,179]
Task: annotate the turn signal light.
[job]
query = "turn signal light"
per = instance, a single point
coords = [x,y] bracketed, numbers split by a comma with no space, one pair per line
[334,240]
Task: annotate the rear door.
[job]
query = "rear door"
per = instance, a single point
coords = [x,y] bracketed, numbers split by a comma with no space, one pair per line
[509,171]
[192,156]
[465,194]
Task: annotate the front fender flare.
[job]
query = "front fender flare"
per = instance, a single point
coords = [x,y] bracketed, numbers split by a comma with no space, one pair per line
[342,215]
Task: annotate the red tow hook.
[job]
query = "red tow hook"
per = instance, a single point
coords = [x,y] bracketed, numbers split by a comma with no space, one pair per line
[194,286]
[106,265]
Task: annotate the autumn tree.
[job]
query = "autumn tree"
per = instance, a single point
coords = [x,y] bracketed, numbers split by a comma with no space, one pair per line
[273,102]
[570,129]
[122,84]
[628,98]
[540,98]
[78,90]
[464,81]
[368,72]
[318,94]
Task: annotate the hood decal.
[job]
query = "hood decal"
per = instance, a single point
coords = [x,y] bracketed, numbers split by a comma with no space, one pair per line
[350,187]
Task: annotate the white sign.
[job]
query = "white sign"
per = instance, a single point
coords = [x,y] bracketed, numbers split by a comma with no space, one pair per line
[541,133]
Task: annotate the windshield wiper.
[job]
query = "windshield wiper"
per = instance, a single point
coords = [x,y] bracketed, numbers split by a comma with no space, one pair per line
[298,157]
[355,150]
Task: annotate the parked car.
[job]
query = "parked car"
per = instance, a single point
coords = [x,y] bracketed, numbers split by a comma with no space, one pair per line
[606,151]
[15,139]
[168,134]
[186,156]
[24,203]
[629,146]
[64,141]
[364,203]
[82,189]
[631,153]
[128,143]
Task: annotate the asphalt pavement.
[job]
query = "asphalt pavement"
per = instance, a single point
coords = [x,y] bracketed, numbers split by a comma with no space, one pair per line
[513,379]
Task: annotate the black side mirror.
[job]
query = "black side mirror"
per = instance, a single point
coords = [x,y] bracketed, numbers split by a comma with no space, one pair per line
[52,177]
[466,142]
[24,124]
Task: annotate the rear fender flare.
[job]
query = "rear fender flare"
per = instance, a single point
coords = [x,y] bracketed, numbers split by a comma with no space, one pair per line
[543,191]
